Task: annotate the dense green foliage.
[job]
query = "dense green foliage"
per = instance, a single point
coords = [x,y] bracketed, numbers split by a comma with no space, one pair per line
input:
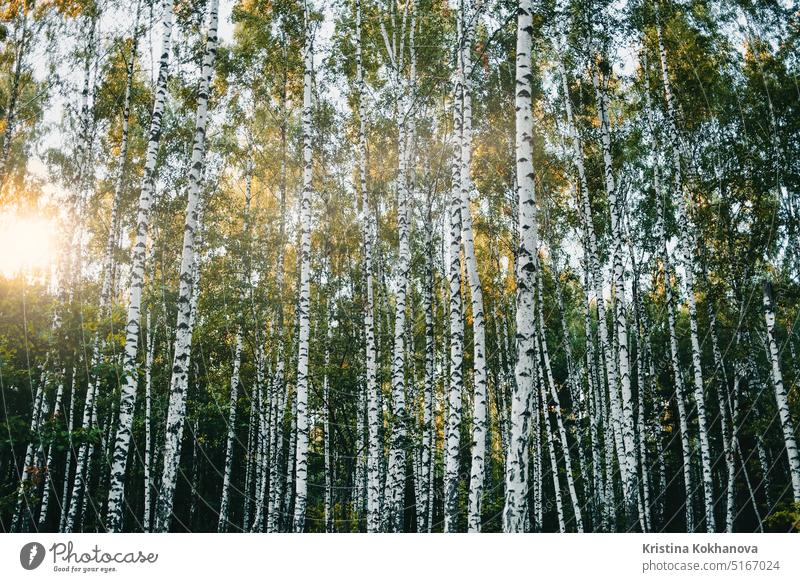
[733,67]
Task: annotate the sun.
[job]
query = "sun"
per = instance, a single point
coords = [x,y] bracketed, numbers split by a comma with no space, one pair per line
[27,244]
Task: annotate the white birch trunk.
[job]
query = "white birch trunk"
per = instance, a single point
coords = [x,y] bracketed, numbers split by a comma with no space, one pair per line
[188,290]
[725,408]
[224,511]
[479,407]
[541,399]
[593,265]
[455,380]
[780,393]
[428,444]
[594,412]
[374,451]
[326,414]
[574,388]
[395,483]
[111,241]
[276,444]
[28,463]
[148,421]
[537,465]
[83,154]
[562,432]
[762,461]
[456,324]
[396,470]
[129,374]
[679,397]
[277,402]
[286,510]
[248,472]
[48,477]
[642,381]
[68,461]
[687,243]
[301,455]
[515,512]
[262,442]
[628,463]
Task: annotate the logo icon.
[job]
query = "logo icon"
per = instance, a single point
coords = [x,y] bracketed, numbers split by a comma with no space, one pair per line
[31,555]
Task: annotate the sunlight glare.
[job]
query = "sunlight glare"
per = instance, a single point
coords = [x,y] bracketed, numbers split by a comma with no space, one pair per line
[27,244]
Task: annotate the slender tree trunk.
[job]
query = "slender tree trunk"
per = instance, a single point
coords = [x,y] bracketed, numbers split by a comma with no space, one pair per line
[456,324]
[628,463]
[279,389]
[129,369]
[28,465]
[70,453]
[224,511]
[479,414]
[109,264]
[595,269]
[455,382]
[262,441]
[276,444]
[428,444]
[537,469]
[764,463]
[542,398]
[374,451]
[301,456]
[148,419]
[396,469]
[553,394]
[288,493]
[610,452]
[359,499]
[723,399]
[642,381]
[326,416]
[84,180]
[249,466]
[48,465]
[594,412]
[176,412]
[780,393]
[687,242]
[515,512]
[678,377]
[574,389]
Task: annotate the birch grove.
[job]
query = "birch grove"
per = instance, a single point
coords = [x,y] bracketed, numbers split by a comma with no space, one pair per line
[399,266]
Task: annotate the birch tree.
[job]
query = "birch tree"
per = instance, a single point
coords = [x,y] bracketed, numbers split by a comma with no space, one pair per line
[189,290]
[456,324]
[301,455]
[780,393]
[615,203]
[373,412]
[515,512]
[129,373]
[687,241]
[479,420]
[235,374]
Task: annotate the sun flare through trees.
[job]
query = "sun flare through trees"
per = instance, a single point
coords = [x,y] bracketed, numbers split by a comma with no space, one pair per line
[399,266]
